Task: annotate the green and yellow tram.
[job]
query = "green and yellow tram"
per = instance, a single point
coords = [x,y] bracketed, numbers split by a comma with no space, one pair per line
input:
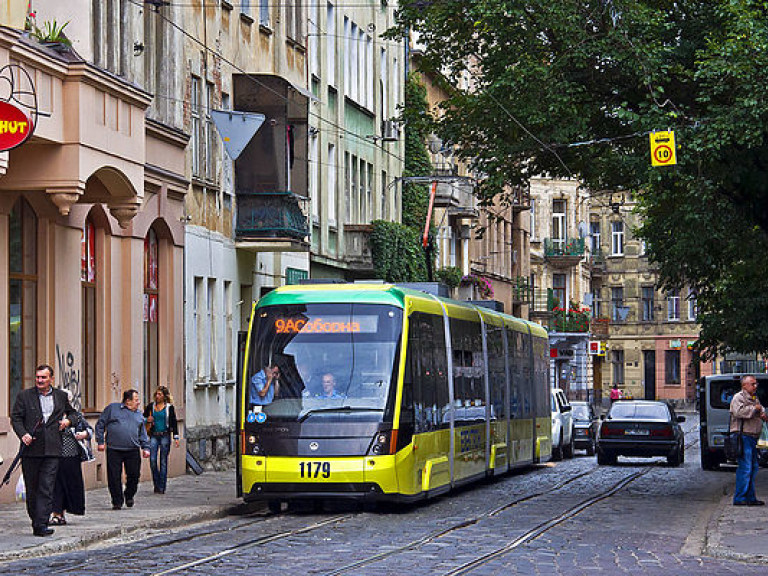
[386,393]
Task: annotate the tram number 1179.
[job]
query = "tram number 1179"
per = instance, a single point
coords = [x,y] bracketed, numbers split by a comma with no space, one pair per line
[314,469]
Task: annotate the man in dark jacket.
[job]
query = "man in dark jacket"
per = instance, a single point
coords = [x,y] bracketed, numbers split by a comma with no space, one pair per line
[121,432]
[38,417]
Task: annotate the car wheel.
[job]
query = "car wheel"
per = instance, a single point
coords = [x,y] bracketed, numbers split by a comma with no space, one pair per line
[676,458]
[275,506]
[605,459]
[591,449]
[568,449]
[708,461]
[557,451]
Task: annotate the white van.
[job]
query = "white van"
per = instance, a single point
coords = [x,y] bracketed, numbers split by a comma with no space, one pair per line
[562,426]
[714,398]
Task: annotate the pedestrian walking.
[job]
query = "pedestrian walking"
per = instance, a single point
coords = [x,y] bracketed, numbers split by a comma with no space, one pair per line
[747,417]
[39,416]
[161,425]
[69,493]
[121,433]
[615,393]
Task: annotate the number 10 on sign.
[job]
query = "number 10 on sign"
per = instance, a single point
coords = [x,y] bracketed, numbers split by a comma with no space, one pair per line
[663,148]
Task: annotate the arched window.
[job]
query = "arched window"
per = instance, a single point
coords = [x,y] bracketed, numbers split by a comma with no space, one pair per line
[87,399]
[151,306]
[22,292]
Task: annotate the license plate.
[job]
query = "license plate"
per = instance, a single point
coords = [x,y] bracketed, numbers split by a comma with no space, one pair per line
[637,432]
[308,469]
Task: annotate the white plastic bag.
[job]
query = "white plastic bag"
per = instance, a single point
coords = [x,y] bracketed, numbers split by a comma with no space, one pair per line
[21,489]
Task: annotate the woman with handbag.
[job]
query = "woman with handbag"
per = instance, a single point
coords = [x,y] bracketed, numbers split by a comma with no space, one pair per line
[69,492]
[161,425]
[747,417]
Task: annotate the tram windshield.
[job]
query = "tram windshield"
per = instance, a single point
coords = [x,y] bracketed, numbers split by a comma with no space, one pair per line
[312,362]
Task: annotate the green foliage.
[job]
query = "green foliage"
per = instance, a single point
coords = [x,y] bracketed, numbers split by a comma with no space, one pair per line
[397,252]
[450,276]
[607,73]
[51,32]
[396,249]
[417,127]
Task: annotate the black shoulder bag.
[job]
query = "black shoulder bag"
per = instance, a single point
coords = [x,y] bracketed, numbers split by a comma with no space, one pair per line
[734,445]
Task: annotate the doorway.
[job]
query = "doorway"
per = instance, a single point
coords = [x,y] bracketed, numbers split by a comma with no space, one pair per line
[649,373]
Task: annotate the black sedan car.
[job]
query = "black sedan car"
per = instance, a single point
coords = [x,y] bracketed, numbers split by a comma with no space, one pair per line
[641,428]
[585,425]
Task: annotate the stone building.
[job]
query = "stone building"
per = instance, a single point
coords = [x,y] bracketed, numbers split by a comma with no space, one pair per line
[648,333]
[90,207]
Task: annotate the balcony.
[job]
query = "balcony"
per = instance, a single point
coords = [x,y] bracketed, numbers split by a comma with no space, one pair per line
[598,262]
[275,222]
[573,321]
[457,198]
[563,252]
[357,250]
[522,291]
[542,304]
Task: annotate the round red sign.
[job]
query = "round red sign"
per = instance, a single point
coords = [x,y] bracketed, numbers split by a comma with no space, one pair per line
[15,126]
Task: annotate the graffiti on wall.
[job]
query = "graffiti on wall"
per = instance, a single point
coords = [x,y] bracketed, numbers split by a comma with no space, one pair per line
[69,377]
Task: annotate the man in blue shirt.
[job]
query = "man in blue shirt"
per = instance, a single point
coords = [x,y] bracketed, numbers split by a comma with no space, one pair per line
[264,386]
[126,436]
[329,387]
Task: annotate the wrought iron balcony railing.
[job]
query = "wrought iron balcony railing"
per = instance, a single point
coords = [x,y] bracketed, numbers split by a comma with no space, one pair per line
[271,216]
[564,248]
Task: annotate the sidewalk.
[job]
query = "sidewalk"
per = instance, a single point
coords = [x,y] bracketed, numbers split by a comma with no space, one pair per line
[188,499]
[740,532]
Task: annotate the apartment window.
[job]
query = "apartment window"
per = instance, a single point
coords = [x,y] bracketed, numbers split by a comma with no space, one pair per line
[558,224]
[384,200]
[210,133]
[264,13]
[354,189]
[597,304]
[673,305]
[330,44]
[87,398]
[533,218]
[293,21]
[22,298]
[212,317]
[199,326]
[672,367]
[559,291]
[332,179]
[348,187]
[245,7]
[383,71]
[314,175]
[648,293]
[617,304]
[594,233]
[693,309]
[617,238]
[313,40]
[617,363]
[151,312]
[229,334]
[362,197]
[369,193]
[227,166]
[195,129]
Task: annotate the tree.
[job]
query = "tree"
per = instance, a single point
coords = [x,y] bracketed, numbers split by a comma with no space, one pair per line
[572,89]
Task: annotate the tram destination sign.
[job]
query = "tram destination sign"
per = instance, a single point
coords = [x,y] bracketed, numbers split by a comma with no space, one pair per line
[15,126]
[366,324]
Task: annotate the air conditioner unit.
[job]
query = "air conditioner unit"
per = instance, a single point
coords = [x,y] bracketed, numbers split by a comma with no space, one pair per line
[389,131]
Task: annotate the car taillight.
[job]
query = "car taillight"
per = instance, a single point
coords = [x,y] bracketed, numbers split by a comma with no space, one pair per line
[665,432]
[607,430]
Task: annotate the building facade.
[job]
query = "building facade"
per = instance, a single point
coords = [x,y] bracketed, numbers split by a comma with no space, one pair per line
[90,209]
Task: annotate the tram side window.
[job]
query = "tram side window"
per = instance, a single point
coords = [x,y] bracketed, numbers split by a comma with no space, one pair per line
[541,376]
[497,374]
[521,374]
[468,371]
[425,393]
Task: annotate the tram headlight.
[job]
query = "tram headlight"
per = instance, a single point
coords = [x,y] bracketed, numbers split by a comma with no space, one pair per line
[254,446]
[380,444]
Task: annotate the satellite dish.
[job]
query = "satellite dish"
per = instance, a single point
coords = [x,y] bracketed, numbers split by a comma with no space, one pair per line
[583,230]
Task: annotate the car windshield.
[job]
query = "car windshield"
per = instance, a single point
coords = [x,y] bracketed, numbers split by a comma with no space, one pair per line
[581,412]
[331,360]
[631,411]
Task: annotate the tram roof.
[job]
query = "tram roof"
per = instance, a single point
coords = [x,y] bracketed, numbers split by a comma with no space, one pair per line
[388,294]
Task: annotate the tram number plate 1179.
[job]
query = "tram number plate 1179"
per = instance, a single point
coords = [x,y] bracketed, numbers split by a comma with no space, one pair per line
[315,469]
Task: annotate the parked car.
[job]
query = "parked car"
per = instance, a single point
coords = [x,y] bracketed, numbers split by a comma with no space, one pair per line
[562,426]
[641,428]
[585,425]
[714,395]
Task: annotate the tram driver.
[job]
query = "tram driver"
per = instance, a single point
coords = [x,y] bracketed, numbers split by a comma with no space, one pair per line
[265,385]
[329,387]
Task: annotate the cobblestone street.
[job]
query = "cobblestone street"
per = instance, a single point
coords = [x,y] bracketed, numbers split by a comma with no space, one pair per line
[639,517]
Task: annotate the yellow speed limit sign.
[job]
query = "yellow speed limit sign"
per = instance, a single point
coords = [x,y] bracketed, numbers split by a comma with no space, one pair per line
[663,148]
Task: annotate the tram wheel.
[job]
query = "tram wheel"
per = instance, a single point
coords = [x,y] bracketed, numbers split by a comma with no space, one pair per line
[275,506]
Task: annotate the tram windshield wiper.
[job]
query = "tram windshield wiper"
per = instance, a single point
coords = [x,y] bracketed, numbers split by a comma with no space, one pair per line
[308,413]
